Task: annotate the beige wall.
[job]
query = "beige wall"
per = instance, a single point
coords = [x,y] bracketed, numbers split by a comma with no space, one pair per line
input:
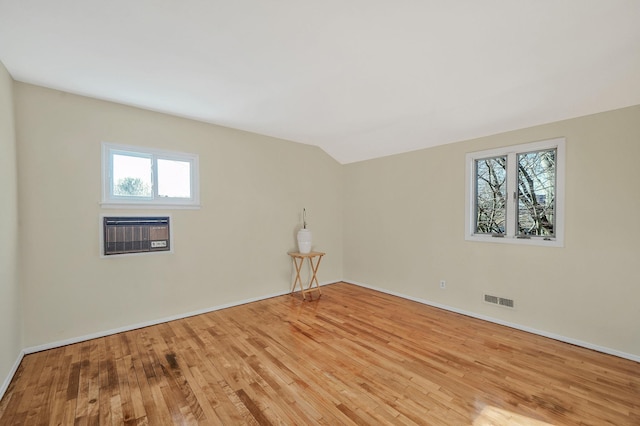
[399,221]
[253,189]
[404,232]
[10,307]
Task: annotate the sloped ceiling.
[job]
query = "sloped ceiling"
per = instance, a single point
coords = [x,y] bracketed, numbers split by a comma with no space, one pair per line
[358,78]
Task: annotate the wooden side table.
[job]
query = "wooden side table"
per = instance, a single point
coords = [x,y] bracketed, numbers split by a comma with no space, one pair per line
[298,260]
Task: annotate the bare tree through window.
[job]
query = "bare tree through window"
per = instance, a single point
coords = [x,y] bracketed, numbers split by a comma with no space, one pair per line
[536,193]
[491,187]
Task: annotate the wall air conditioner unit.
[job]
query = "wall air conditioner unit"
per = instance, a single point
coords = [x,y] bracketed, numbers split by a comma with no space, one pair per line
[135,234]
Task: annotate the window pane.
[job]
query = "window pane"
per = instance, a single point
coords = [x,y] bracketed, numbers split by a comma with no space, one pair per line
[537,193]
[131,176]
[491,185]
[174,178]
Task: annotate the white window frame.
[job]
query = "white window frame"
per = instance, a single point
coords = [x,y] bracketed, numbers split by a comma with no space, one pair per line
[511,153]
[109,200]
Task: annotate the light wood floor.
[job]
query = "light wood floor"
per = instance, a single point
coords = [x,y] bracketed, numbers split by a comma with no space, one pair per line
[353,356]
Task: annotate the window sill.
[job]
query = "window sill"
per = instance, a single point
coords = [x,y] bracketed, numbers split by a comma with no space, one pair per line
[144,206]
[517,241]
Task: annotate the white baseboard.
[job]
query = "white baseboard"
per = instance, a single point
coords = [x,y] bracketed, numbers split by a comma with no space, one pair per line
[554,336]
[12,372]
[104,333]
[70,341]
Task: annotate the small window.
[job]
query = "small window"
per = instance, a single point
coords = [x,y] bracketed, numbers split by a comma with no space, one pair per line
[143,176]
[516,194]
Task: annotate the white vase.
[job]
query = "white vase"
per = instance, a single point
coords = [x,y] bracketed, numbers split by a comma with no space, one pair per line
[304,241]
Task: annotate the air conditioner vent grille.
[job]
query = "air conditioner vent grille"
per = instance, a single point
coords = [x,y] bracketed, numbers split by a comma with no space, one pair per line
[122,235]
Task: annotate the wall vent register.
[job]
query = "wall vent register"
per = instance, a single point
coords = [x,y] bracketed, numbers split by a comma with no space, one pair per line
[500,301]
[140,234]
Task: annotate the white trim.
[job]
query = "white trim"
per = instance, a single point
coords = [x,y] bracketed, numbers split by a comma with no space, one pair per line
[70,341]
[60,343]
[543,333]
[12,372]
[559,144]
[144,206]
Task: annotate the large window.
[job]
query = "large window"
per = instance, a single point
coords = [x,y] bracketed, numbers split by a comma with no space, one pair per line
[142,176]
[516,194]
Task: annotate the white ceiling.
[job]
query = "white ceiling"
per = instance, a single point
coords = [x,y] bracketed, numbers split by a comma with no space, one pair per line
[358,78]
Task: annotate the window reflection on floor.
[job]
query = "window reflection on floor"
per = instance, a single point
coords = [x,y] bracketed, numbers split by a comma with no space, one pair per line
[494,416]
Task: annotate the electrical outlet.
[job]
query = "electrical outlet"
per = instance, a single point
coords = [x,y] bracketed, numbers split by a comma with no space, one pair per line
[443,284]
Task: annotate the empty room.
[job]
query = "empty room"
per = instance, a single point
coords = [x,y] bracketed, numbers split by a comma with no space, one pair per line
[357,212]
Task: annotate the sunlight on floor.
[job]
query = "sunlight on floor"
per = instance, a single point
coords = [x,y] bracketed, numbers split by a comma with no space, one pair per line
[494,416]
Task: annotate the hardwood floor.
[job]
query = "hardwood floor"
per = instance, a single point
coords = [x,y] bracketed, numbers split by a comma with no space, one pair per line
[352,356]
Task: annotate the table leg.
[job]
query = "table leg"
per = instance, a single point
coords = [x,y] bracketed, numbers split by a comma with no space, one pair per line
[314,276]
[298,279]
